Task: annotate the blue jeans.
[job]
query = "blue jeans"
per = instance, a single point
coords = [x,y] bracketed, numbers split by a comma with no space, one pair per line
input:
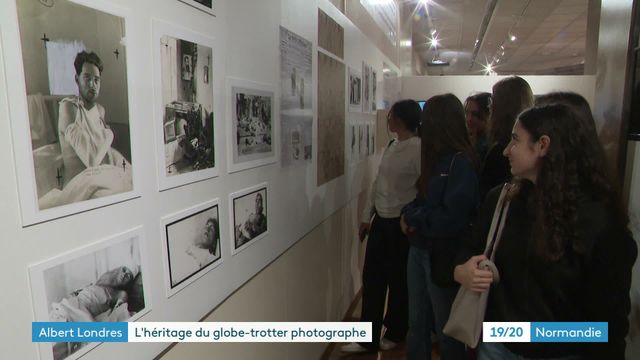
[497,351]
[429,307]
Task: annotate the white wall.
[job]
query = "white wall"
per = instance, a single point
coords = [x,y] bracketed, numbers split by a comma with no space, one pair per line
[246,35]
[423,87]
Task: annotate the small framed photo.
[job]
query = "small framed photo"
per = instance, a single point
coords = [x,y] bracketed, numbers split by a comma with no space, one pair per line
[99,282]
[192,244]
[70,107]
[204,5]
[248,212]
[184,104]
[355,90]
[252,134]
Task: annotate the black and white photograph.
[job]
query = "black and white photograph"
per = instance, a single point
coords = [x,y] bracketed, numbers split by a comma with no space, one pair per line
[366,87]
[249,214]
[252,133]
[362,140]
[192,244]
[371,130]
[296,92]
[355,90]
[204,5]
[77,101]
[102,282]
[185,106]
[352,139]
[374,90]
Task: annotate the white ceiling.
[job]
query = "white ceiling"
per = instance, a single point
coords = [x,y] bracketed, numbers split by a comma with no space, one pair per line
[551,35]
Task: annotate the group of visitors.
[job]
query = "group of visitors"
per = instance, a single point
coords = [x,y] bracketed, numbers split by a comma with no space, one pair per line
[565,252]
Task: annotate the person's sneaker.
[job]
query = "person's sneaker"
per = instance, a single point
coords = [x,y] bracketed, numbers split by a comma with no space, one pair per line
[386,344]
[353,348]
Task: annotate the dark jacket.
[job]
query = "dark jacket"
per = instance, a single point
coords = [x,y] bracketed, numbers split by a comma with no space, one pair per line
[450,203]
[578,287]
[496,169]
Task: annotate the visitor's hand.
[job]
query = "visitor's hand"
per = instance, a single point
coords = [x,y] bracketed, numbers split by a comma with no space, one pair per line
[471,277]
[363,230]
[406,229]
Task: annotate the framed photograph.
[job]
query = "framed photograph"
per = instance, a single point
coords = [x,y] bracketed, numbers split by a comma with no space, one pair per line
[71,125]
[100,282]
[355,90]
[184,103]
[374,91]
[249,214]
[296,94]
[353,141]
[204,5]
[366,88]
[192,244]
[252,133]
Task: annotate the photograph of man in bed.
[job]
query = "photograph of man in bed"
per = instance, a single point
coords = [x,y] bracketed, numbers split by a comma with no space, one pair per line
[85,139]
[92,167]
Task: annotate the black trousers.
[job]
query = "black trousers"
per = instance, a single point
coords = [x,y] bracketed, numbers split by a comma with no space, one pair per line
[385,266]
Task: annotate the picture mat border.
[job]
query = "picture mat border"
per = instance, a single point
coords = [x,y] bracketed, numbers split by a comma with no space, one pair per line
[160,28]
[197,5]
[21,129]
[182,215]
[37,286]
[232,83]
[236,195]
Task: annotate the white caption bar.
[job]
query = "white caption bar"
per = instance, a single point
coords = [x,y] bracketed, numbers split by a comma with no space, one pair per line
[249,332]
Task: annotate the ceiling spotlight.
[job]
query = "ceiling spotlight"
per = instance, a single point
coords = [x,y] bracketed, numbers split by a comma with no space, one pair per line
[434,42]
[488,69]
[433,31]
[502,47]
[424,2]
[513,38]
[405,43]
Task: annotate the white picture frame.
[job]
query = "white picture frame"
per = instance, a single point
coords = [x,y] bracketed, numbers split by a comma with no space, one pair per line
[185,263]
[176,166]
[241,203]
[252,136]
[58,283]
[202,5]
[42,197]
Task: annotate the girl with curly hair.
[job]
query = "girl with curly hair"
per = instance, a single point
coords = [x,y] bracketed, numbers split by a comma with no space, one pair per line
[565,253]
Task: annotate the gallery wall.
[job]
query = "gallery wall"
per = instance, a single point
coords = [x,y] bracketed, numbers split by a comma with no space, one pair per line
[423,87]
[245,37]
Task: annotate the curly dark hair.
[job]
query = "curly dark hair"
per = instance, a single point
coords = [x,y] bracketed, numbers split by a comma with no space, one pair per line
[443,130]
[570,170]
[87,57]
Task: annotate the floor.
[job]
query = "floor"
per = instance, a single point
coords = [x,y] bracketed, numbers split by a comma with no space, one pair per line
[334,353]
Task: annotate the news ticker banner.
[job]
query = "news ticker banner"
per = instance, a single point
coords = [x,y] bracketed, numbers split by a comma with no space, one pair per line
[201,332]
[551,332]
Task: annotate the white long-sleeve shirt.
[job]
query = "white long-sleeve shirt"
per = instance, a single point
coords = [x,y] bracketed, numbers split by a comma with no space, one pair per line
[395,184]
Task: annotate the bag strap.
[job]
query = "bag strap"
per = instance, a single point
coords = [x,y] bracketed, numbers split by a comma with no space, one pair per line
[497,223]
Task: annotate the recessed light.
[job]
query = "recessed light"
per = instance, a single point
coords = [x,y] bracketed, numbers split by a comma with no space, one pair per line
[513,38]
